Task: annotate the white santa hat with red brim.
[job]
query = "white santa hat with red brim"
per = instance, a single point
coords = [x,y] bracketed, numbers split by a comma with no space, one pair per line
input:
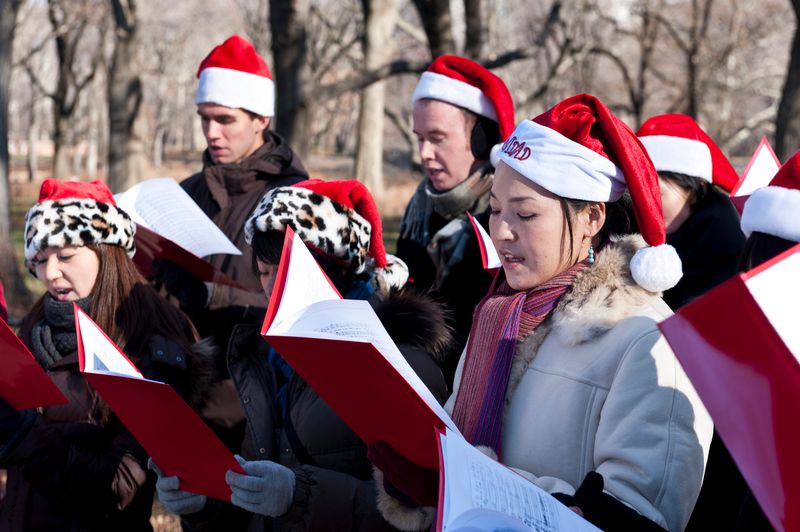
[773,209]
[464,83]
[580,150]
[234,75]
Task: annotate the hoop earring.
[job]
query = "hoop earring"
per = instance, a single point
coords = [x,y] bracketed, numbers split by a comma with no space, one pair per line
[591,255]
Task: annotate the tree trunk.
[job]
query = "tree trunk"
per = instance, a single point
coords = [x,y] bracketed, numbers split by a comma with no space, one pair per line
[380,18]
[126,157]
[19,297]
[288,20]
[476,28]
[787,122]
[33,137]
[61,165]
[438,24]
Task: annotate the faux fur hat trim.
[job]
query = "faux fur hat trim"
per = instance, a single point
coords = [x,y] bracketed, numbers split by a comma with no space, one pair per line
[602,295]
[398,515]
[77,222]
[323,224]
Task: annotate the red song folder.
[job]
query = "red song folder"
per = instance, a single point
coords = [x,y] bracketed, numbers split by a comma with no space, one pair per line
[760,170]
[739,345]
[23,382]
[344,353]
[489,256]
[151,246]
[168,429]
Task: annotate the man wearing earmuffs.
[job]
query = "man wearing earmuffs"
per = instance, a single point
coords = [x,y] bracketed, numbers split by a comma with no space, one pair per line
[461,112]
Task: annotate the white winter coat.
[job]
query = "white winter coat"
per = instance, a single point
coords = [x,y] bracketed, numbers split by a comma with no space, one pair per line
[596,387]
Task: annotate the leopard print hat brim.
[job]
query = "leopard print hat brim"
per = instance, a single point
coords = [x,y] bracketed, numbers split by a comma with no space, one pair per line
[77,222]
[326,225]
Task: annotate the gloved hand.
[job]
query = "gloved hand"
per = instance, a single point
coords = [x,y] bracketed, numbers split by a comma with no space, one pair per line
[604,510]
[169,493]
[189,290]
[267,488]
[403,479]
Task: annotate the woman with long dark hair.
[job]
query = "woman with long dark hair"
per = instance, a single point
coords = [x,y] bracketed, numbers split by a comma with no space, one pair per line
[74,466]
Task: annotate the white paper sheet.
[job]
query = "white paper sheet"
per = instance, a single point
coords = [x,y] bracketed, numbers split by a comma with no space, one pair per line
[761,171]
[100,354]
[474,482]
[163,206]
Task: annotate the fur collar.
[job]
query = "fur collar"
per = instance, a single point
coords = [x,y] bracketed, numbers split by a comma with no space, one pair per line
[601,297]
[414,319]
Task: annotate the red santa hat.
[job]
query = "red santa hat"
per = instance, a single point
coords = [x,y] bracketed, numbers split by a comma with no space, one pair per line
[338,219]
[580,150]
[234,75]
[773,209]
[465,83]
[73,213]
[676,143]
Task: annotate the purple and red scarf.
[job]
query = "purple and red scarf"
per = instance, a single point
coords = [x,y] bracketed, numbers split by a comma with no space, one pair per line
[502,319]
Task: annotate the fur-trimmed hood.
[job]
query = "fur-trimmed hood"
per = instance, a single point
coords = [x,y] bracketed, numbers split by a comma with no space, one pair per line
[603,294]
[415,320]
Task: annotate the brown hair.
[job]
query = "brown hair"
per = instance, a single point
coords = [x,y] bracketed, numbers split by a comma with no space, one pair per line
[620,219]
[125,306]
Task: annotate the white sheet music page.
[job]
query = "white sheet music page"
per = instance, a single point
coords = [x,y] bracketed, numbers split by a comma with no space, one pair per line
[305,284]
[777,291]
[100,354]
[163,206]
[476,484]
[492,258]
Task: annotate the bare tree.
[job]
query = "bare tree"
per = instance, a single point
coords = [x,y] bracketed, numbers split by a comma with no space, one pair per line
[787,124]
[476,28]
[288,19]
[126,158]
[9,272]
[380,18]
[70,22]
[438,24]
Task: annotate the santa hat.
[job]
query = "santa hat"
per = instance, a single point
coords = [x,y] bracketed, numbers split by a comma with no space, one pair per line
[459,81]
[72,213]
[579,150]
[773,209]
[234,75]
[676,143]
[338,219]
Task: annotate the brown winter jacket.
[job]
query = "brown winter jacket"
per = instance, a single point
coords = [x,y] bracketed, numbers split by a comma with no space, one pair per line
[78,468]
[334,488]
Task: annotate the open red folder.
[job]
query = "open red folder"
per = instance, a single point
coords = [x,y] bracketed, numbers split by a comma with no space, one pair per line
[168,429]
[344,353]
[23,382]
[151,246]
[763,166]
[739,345]
[489,256]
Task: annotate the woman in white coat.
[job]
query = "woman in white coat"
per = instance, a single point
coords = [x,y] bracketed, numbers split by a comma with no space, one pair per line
[566,377]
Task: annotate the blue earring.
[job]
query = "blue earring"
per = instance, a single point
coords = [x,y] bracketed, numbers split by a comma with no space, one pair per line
[591,255]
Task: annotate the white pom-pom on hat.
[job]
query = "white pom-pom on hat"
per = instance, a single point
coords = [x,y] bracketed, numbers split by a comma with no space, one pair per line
[656,268]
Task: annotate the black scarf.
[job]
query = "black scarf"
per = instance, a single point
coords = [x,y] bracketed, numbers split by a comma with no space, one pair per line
[54,337]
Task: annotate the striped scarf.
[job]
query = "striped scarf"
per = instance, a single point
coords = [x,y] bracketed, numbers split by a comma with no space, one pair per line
[502,319]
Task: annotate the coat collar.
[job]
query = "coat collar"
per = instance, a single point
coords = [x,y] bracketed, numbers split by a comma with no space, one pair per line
[602,295]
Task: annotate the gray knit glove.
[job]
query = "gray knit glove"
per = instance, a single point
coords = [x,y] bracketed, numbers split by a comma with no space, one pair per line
[267,488]
[174,500]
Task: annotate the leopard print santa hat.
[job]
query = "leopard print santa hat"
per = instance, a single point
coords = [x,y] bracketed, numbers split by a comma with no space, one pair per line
[336,218]
[73,213]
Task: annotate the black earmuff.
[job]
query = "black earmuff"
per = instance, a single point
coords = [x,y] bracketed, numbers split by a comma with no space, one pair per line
[485,134]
